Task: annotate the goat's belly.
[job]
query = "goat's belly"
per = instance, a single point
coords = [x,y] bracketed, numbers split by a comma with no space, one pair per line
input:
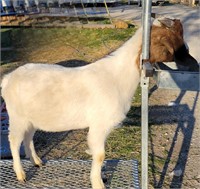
[59,117]
[57,124]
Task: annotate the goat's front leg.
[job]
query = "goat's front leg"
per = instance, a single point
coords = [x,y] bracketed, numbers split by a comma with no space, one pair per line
[95,176]
[96,142]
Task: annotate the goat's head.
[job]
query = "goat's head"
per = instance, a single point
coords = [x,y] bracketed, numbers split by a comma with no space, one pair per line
[167,44]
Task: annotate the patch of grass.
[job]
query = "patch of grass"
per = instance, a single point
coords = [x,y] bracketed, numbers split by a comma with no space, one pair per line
[137,96]
[105,21]
[124,143]
[34,44]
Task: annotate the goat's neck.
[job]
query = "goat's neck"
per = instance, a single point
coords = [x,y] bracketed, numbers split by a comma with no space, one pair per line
[126,70]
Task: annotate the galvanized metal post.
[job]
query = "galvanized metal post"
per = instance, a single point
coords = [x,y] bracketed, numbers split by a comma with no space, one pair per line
[147,71]
[146,24]
[144,133]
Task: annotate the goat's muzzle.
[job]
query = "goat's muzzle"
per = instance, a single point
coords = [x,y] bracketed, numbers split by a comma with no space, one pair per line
[182,57]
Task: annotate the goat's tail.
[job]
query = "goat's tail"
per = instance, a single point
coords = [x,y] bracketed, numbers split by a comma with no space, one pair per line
[4,83]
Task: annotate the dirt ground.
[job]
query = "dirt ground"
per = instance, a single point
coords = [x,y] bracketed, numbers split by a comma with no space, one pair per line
[174,135]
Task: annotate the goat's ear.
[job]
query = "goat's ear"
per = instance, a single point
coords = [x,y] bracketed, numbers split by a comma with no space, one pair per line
[168,45]
[167,22]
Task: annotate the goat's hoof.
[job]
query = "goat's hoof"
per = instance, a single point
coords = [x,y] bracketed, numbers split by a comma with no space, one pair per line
[21,176]
[39,165]
[38,162]
[98,186]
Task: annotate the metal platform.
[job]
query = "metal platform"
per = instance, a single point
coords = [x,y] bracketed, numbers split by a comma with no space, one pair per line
[70,174]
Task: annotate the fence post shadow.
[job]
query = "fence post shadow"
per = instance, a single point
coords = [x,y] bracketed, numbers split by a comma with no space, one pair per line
[185,124]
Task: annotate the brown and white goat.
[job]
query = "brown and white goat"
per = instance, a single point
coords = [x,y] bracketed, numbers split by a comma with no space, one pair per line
[98,96]
[167,44]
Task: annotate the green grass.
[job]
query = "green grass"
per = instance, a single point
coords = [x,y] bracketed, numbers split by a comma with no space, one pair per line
[86,37]
[47,44]
[124,143]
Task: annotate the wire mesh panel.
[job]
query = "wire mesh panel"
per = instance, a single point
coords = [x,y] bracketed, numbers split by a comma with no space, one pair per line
[70,174]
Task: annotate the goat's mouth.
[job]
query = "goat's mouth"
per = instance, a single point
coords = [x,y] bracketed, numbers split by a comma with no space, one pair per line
[183,58]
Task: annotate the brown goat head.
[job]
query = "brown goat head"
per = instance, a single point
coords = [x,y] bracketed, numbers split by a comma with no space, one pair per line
[167,44]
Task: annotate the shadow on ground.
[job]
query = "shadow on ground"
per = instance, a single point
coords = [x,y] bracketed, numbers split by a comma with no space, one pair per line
[184,117]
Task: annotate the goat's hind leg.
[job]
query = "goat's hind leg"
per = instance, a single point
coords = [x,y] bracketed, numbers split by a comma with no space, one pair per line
[29,147]
[96,142]
[16,135]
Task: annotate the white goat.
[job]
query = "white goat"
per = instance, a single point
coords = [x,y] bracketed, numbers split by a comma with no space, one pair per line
[55,98]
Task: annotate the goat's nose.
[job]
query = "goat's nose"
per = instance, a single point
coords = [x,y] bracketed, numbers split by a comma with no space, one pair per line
[182,57]
[193,65]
